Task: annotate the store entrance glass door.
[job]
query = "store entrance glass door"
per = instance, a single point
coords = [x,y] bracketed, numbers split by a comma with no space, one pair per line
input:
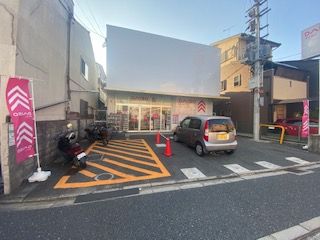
[145,119]
[155,118]
[166,118]
[142,118]
[133,118]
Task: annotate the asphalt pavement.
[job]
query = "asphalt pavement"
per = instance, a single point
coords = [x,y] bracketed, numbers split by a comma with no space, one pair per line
[246,209]
[116,158]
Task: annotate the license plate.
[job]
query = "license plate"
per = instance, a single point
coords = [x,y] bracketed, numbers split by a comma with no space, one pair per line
[81,155]
[223,136]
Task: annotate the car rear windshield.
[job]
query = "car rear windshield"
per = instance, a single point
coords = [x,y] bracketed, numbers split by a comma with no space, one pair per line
[220,125]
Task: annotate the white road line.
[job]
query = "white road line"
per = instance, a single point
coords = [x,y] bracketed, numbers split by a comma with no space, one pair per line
[297,160]
[161,145]
[267,165]
[192,173]
[237,168]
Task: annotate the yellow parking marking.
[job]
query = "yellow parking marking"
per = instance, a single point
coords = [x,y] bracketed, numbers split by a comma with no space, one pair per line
[126,158]
[156,159]
[125,145]
[110,170]
[126,148]
[88,173]
[129,166]
[119,163]
[125,152]
[139,147]
[63,182]
[131,141]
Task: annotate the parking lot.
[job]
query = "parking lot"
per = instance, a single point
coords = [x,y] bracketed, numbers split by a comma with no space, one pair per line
[121,161]
[137,160]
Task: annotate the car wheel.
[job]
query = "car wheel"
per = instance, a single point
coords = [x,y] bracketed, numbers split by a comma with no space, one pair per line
[175,138]
[229,152]
[199,149]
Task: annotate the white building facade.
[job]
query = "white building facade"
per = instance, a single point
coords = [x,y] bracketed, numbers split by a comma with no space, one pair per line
[153,82]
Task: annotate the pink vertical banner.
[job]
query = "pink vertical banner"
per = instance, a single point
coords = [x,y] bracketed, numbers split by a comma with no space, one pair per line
[21,112]
[305,119]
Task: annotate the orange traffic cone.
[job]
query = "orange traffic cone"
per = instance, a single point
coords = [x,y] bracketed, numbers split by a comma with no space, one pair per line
[158,138]
[167,151]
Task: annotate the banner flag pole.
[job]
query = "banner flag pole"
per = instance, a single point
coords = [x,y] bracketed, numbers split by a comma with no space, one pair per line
[39,175]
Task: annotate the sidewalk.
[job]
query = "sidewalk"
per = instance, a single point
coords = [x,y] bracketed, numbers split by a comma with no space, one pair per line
[308,230]
[313,236]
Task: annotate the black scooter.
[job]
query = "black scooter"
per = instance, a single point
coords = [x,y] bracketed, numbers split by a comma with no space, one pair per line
[98,132]
[71,150]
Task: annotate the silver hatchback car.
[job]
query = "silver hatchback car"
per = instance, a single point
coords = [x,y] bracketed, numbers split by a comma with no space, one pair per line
[207,134]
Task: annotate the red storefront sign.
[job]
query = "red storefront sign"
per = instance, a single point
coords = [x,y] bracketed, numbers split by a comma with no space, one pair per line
[19,104]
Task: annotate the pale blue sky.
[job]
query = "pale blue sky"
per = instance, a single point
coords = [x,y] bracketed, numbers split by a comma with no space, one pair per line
[200,21]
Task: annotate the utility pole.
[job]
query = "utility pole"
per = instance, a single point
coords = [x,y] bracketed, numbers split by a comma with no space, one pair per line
[256,104]
[257,80]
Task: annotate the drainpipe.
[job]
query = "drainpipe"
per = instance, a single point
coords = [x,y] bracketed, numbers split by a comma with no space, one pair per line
[70,17]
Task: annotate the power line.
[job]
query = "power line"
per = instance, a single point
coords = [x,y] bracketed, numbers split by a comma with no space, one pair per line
[94,19]
[293,55]
[90,30]
[85,15]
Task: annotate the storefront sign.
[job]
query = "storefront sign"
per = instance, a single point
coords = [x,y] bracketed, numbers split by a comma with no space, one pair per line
[142,99]
[305,119]
[185,100]
[21,112]
[201,106]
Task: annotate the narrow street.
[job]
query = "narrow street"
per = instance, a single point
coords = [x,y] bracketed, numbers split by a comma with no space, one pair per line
[247,209]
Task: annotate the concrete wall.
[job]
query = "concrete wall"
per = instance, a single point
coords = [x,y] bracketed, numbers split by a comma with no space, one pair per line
[8,38]
[42,52]
[81,88]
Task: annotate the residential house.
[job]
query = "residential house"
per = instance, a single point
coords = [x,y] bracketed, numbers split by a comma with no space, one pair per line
[237,66]
[41,41]
[313,68]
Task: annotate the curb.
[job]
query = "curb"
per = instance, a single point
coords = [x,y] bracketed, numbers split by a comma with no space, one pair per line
[148,188]
[297,232]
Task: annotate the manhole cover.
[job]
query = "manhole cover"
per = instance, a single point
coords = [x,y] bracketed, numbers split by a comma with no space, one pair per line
[104,176]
